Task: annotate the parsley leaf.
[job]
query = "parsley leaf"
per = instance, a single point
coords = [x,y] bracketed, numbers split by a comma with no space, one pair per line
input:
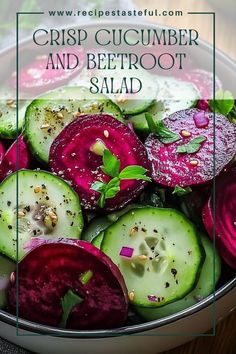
[192,146]
[181,191]
[224,102]
[165,135]
[68,302]
[111,165]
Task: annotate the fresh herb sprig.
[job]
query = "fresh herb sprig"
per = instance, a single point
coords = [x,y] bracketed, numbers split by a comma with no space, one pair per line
[223,103]
[68,302]
[164,134]
[180,191]
[111,167]
[192,146]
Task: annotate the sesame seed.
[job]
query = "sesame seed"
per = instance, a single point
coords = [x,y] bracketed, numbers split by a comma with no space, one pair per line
[106,133]
[131,295]
[142,257]
[60,115]
[193,162]
[185,133]
[37,189]
[44,126]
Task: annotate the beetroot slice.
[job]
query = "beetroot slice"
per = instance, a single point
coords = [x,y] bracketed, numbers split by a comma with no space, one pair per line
[225,217]
[203,80]
[2,151]
[9,161]
[50,270]
[170,168]
[70,157]
[35,78]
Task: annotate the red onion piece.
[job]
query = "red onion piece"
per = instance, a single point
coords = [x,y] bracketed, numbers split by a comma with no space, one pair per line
[201,120]
[152,298]
[126,252]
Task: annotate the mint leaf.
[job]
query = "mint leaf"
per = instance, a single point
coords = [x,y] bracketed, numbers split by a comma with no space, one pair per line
[134,172]
[107,191]
[68,302]
[192,146]
[111,165]
[224,102]
[112,188]
[181,191]
[165,135]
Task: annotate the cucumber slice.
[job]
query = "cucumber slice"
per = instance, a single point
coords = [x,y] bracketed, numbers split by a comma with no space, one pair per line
[47,208]
[204,287]
[8,119]
[98,224]
[173,95]
[97,241]
[128,103]
[95,227]
[166,250]
[49,114]
[6,268]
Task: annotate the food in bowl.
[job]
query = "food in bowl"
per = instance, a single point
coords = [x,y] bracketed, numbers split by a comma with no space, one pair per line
[110,197]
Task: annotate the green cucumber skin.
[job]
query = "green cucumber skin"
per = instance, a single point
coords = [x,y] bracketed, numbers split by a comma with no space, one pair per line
[100,223]
[68,225]
[106,246]
[158,108]
[97,241]
[95,227]
[39,146]
[200,290]
[10,129]
[137,108]
[6,268]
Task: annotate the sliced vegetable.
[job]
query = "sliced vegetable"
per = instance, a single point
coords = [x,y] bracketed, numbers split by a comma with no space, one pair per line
[16,157]
[203,80]
[204,287]
[97,241]
[50,282]
[46,73]
[224,223]
[72,156]
[95,227]
[6,268]
[47,116]
[191,160]
[46,207]
[130,100]
[173,95]
[8,117]
[166,250]
[2,151]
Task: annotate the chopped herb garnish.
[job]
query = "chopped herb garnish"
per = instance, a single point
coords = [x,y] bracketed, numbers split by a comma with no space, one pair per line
[164,134]
[85,277]
[111,166]
[181,191]
[192,146]
[223,103]
[68,302]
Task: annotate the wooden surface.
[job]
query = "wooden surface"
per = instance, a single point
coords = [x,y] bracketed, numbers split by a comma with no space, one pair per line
[223,343]
[225,340]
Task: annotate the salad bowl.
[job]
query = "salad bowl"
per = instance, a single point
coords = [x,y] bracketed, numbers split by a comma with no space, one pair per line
[135,337]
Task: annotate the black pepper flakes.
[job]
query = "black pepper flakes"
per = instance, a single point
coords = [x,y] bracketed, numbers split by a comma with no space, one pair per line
[173,271]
